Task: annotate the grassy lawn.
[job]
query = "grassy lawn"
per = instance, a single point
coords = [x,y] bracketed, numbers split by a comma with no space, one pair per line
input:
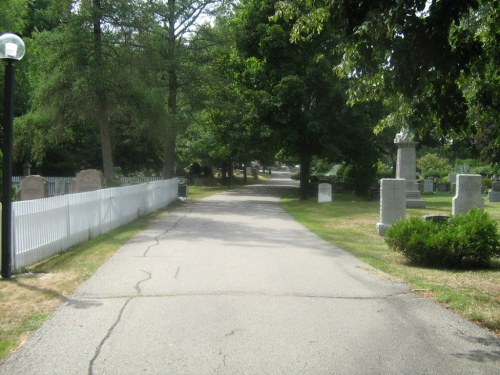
[30,297]
[351,225]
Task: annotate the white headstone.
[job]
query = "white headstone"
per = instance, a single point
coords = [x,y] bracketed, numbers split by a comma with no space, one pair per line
[392,202]
[468,194]
[324,193]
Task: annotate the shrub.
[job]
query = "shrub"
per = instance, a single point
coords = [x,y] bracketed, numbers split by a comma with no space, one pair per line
[433,165]
[464,241]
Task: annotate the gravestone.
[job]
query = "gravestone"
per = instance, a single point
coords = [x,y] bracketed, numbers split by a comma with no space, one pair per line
[89,180]
[406,167]
[442,187]
[33,187]
[468,194]
[428,186]
[324,193]
[494,193]
[255,173]
[60,187]
[392,202]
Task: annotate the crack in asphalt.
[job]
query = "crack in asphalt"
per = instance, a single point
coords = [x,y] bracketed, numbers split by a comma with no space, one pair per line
[223,364]
[157,238]
[130,298]
[258,294]
[138,285]
[108,335]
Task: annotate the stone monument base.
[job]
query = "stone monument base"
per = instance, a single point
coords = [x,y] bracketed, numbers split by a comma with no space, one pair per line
[415,203]
[382,228]
[413,195]
[494,196]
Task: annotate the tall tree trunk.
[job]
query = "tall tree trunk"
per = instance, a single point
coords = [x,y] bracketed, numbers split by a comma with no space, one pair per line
[173,87]
[305,167]
[101,98]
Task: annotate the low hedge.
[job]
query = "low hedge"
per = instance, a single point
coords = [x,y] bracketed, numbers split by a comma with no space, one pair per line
[463,241]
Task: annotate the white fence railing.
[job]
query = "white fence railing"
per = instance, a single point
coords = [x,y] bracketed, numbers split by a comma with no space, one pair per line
[43,227]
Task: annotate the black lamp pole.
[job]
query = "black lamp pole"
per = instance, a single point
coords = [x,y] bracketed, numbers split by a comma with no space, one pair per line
[7,171]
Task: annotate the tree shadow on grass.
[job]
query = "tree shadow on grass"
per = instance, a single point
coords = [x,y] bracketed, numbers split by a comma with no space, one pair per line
[51,293]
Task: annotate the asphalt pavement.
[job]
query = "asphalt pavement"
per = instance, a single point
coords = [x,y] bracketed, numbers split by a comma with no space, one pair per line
[233,285]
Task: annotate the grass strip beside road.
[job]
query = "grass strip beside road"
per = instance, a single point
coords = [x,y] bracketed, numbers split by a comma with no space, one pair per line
[350,223]
[32,295]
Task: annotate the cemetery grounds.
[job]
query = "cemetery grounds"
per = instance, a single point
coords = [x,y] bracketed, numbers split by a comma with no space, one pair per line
[350,223]
[347,222]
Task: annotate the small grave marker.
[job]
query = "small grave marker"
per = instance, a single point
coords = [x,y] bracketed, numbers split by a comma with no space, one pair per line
[428,186]
[324,192]
[33,187]
[494,193]
[89,180]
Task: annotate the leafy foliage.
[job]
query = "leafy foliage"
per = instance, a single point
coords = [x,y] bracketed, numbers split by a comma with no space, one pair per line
[433,63]
[464,241]
[304,103]
[433,165]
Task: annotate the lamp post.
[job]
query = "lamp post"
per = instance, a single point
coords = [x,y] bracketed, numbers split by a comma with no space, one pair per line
[11,50]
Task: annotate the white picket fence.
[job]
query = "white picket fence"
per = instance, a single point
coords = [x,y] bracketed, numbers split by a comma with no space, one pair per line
[43,227]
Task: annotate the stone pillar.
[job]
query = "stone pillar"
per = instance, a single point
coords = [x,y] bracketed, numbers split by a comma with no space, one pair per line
[392,202]
[468,194]
[406,167]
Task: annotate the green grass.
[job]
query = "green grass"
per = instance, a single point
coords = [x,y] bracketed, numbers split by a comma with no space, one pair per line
[350,223]
[200,192]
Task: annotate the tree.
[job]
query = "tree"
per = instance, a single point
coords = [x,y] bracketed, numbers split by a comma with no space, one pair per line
[433,164]
[475,37]
[433,62]
[304,103]
[85,84]
[177,20]
[13,15]
[224,128]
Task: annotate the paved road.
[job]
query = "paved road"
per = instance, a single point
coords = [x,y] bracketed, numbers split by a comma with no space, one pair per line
[232,285]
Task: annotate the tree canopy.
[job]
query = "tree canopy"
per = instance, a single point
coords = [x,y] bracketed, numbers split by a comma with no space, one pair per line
[151,87]
[433,62]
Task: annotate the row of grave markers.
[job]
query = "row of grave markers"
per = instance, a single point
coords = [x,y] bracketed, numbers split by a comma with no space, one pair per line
[36,187]
[397,194]
[467,197]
